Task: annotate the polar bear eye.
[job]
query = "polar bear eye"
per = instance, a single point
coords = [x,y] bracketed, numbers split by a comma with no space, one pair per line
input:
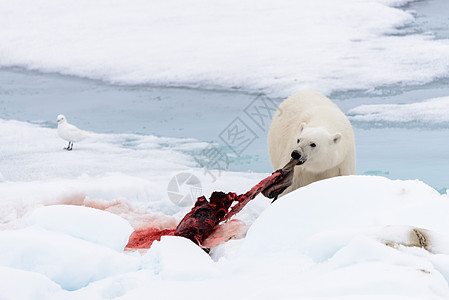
[298,140]
[313,145]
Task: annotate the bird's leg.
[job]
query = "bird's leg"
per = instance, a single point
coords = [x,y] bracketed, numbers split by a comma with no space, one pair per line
[68,147]
[71,146]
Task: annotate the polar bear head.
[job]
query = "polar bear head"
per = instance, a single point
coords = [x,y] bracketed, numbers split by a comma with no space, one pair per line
[317,149]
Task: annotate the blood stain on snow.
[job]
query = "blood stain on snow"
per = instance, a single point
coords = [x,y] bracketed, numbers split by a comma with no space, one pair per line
[234,229]
[148,226]
[202,222]
[144,238]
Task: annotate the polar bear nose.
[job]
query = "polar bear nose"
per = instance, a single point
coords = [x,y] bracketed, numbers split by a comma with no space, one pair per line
[296,154]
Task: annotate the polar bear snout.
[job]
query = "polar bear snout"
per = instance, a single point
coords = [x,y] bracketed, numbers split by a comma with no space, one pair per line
[297,155]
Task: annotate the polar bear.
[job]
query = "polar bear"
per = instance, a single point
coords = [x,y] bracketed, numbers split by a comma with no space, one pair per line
[311,128]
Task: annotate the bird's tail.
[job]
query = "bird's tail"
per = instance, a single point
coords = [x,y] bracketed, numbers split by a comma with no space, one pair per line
[88,134]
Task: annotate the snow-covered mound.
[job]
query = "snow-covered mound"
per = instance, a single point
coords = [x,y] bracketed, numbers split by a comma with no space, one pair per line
[342,205]
[176,258]
[277,46]
[86,223]
[354,237]
[357,235]
[38,286]
[70,262]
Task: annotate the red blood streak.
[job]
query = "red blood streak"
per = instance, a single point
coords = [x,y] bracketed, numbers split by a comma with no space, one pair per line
[143,238]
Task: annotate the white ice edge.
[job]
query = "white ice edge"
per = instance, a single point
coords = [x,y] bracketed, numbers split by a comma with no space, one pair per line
[433,111]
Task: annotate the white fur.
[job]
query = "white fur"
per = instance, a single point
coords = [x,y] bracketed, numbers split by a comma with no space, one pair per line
[312,118]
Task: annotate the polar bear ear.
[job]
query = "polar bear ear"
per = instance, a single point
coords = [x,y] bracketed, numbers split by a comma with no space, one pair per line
[302,126]
[336,137]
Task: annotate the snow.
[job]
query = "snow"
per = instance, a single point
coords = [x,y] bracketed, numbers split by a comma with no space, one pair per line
[406,208]
[179,259]
[433,111]
[26,285]
[85,223]
[128,172]
[65,217]
[68,261]
[277,47]
[106,153]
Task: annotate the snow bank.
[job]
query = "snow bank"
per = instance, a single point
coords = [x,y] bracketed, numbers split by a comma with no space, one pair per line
[278,47]
[27,285]
[85,223]
[339,205]
[432,111]
[352,237]
[177,258]
[70,262]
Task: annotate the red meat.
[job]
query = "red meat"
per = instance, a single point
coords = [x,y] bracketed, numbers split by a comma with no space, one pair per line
[199,223]
[205,216]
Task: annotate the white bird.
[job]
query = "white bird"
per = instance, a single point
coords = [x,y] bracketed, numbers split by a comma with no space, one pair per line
[70,132]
